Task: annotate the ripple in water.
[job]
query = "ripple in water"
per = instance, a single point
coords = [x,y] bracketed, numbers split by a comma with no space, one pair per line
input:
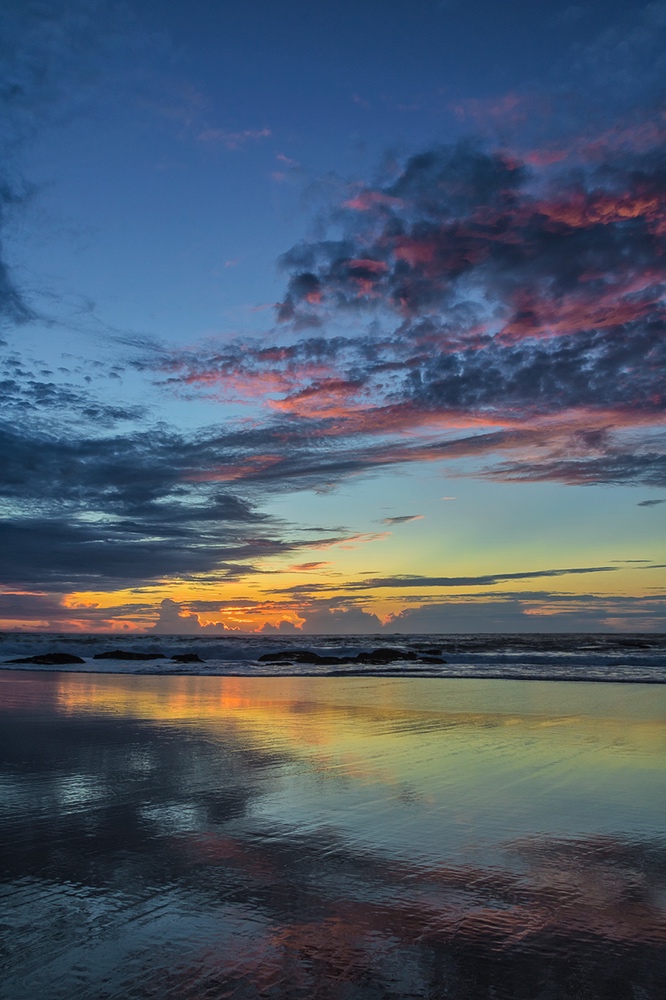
[361,838]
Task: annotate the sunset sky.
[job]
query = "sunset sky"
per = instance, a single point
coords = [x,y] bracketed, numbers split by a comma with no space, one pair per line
[335,317]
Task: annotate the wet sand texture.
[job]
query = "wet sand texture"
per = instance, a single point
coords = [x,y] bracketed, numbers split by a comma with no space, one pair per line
[190,837]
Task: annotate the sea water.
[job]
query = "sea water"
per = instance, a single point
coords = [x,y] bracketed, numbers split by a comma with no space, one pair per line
[554,656]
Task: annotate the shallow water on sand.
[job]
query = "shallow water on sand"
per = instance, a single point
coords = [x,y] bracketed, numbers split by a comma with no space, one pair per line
[191,837]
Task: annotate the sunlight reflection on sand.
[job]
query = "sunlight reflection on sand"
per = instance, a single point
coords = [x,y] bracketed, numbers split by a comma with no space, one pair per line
[342,837]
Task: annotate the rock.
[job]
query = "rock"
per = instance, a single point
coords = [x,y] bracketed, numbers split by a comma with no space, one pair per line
[379,657]
[385,655]
[431,659]
[122,654]
[187,658]
[298,656]
[50,659]
[284,656]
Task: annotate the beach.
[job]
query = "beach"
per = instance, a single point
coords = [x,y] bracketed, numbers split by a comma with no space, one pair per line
[189,836]
[333,483]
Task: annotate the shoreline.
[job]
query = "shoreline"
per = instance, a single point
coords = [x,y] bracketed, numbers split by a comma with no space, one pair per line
[333,674]
[602,659]
[330,675]
[397,674]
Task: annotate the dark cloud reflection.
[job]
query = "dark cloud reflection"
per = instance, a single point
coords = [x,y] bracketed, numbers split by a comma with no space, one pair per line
[136,854]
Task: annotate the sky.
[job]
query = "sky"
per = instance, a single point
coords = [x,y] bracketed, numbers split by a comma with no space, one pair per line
[332,318]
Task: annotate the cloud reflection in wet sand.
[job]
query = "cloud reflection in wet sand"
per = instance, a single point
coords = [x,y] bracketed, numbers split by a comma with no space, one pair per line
[190,837]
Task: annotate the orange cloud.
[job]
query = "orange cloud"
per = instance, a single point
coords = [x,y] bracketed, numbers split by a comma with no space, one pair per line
[308,567]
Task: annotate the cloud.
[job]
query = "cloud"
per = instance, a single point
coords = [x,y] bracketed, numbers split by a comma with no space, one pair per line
[525,612]
[408,581]
[651,503]
[116,510]
[340,621]
[645,465]
[348,590]
[497,308]
[174,621]
[519,334]
[476,232]
[66,554]
[308,567]
[24,394]
[471,290]
[57,613]
[402,518]
[305,613]
[282,628]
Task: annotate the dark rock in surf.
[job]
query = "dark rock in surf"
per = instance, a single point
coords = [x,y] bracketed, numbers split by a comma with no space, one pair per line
[291,656]
[385,655]
[376,657]
[124,654]
[49,659]
[187,658]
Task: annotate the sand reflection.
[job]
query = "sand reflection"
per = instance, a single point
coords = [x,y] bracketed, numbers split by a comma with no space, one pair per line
[342,838]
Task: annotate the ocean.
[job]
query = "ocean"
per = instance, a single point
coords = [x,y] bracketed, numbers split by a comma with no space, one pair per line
[542,656]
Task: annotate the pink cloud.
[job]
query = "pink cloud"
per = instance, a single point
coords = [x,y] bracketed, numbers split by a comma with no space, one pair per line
[367,200]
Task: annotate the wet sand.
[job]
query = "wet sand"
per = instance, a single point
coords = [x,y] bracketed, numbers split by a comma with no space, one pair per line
[294,837]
